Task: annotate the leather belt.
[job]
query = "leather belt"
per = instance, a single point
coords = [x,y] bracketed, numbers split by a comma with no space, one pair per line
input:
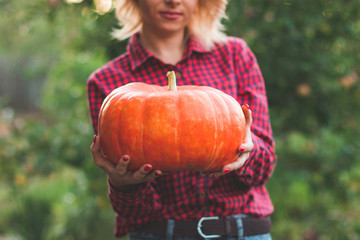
[211,227]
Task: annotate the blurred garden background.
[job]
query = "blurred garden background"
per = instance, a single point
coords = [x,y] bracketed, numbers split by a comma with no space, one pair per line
[309,53]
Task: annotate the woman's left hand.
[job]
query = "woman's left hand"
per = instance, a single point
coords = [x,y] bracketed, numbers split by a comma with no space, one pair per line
[244,149]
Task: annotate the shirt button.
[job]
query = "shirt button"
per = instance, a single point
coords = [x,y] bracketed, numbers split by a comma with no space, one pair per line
[202,194]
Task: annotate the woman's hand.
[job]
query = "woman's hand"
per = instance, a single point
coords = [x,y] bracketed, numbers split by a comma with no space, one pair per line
[244,149]
[118,174]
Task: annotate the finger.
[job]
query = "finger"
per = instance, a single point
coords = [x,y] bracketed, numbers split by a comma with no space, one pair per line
[219,173]
[246,147]
[248,144]
[247,114]
[123,164]
[105,165]
[95,146]
[216,174]
[140,174]
[99,160]
[153,174]
[238,163]
[203,174]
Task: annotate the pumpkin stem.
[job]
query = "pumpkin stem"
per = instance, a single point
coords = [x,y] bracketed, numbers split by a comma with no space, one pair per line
[171,81]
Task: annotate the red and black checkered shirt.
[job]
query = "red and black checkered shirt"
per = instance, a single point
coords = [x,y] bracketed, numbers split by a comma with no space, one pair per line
[187,195]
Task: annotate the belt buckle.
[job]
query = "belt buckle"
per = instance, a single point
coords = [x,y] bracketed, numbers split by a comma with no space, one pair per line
[199,227]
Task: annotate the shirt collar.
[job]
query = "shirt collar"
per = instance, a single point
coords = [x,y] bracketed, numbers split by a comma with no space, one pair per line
[138,54]
[194,45]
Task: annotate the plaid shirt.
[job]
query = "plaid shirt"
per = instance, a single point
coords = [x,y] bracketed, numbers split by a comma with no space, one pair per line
[187,195]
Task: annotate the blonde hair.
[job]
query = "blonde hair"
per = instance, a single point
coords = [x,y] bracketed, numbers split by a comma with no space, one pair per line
[205,24]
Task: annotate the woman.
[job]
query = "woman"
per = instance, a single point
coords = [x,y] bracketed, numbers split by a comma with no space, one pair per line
[185,36]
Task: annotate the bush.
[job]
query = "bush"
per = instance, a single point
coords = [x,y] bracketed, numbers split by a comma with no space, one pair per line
[308,54]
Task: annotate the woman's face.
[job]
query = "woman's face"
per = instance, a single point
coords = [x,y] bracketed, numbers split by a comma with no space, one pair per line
[166,16]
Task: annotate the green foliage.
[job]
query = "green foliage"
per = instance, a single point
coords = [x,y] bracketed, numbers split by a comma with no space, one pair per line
[309,53]
[50,188]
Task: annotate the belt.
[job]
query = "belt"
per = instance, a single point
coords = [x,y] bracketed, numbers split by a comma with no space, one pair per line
[211,227]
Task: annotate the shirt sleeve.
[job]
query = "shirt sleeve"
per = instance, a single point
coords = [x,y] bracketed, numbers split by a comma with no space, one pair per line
[133,208]
[251,90]
[95,97]
[129,206]
[138,203]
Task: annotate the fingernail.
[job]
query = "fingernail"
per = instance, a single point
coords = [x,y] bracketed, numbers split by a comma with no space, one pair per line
[242,149]
[157,173]
[125,158]
[213,175]
[226,170]
[94,140]
[247,106]
[147,168]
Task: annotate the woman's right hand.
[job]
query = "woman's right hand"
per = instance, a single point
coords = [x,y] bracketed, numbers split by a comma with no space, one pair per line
[118,174]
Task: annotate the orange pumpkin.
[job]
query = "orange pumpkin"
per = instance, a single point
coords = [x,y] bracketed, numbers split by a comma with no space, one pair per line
[185,127]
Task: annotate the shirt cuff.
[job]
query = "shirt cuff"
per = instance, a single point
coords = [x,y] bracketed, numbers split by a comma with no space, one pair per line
[256,168]
[129,196]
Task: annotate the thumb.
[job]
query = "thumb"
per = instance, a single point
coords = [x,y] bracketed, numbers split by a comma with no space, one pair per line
[247,114]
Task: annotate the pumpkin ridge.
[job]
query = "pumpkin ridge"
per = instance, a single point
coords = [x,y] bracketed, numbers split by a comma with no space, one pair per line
[112,111]
[105,105]
[240,124]
[221,106]
[227,101]
[141,132]
[156,122]
[214,154]
[124,99]
[177,130]
[230,104]
[133,136]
